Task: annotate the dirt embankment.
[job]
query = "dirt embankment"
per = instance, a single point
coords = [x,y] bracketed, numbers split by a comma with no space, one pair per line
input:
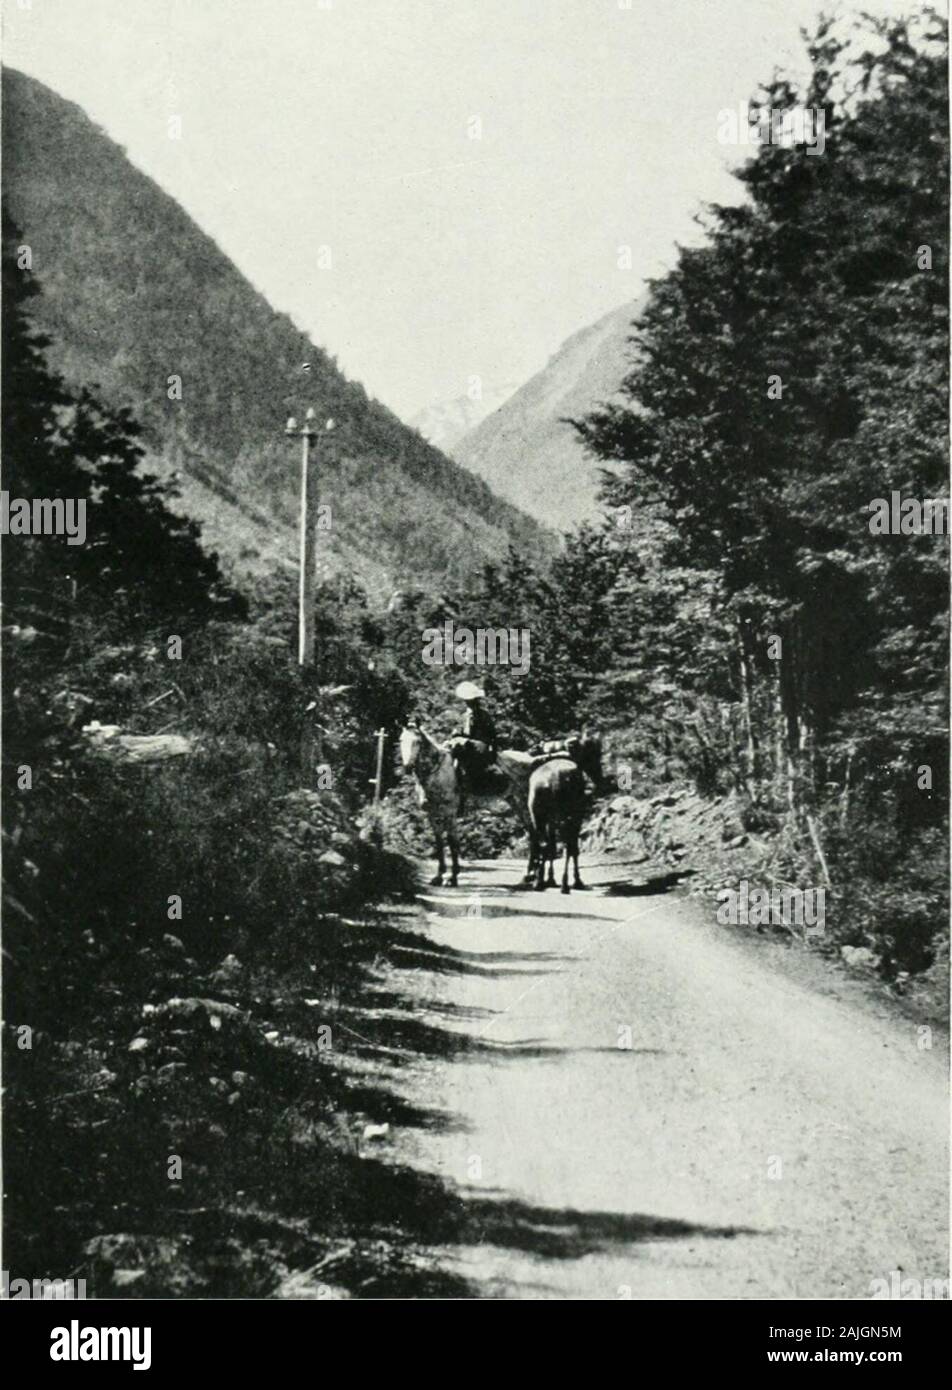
[708,843]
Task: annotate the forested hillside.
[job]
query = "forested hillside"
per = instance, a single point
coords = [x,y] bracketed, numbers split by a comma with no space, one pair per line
[159,300]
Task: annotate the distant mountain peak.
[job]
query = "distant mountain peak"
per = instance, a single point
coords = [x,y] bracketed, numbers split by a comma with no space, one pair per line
[445,422]
[524,449]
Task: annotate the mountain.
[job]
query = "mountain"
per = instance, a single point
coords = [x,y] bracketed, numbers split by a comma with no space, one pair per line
[526,452]
[134,293]
[445,422]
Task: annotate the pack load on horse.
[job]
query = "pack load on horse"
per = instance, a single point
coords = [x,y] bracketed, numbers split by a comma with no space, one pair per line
[558,798]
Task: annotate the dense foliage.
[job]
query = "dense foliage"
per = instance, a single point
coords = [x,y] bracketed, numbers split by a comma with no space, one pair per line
[789,372]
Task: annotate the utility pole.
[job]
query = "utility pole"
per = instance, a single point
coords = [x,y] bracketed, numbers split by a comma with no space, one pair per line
[307,580]
[377,779]
[307,576]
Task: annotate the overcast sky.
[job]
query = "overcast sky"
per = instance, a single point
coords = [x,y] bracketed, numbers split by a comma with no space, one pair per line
[472,167]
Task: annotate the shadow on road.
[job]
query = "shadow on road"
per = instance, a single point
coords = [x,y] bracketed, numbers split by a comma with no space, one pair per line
[294,1183]
[413,1220]
[662,883]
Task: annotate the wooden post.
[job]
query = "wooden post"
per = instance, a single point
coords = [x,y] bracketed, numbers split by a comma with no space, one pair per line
[307,576]
[378,777]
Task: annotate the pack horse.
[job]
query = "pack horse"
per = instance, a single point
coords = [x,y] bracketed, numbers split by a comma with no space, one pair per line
[546,792]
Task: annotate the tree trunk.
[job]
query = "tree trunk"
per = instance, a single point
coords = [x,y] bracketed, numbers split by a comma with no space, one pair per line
[750,744]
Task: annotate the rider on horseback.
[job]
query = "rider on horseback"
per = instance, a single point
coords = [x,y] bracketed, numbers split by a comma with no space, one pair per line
[474,746]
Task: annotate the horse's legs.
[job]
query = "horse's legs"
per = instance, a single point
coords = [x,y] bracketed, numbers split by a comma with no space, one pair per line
[565,863]
[551,853]
[538,847]
[454,856]
[440,860]
[529,874]
[578,877]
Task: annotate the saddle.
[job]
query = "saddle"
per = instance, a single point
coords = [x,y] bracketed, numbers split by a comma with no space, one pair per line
[474,762]
[555,748]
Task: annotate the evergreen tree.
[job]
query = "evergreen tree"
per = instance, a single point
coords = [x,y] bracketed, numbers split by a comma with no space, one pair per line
[791,371]
[140,562]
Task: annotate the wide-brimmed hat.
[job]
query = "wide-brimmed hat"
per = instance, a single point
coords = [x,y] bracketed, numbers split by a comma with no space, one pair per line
[467,690]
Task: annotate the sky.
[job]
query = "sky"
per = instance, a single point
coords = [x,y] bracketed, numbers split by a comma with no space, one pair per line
[439,192]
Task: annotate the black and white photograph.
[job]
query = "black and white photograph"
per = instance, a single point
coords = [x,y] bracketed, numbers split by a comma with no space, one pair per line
[475,634]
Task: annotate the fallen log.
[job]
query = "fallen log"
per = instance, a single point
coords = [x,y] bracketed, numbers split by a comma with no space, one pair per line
[136,748]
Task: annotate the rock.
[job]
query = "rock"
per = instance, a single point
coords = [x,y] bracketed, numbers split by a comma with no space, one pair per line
[859,956]
[333,858]
[376,1131]
[227,972]
[127,1278]
[738,841]
[217,1085]
[195,1008]
[170,1070]
[98,734]
[240,1078]
[139,1045]
[174,943]
[668,798]
[303,1287]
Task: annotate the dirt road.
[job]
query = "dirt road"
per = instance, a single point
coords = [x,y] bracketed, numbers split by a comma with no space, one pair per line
[652,1106]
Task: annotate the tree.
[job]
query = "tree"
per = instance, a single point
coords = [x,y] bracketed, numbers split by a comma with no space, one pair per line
[140,563]
[813,284]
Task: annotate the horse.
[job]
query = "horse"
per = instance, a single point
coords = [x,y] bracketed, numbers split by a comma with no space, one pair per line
[437,789]
[517,768]
[440,795]
[557,803]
